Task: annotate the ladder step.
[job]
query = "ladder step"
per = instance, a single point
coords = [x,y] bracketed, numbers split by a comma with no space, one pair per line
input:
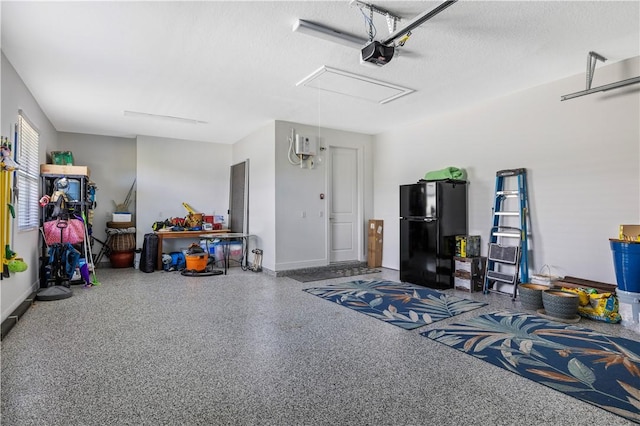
[503,254]
[507,213]
[507,193]
[506,234]
[500,276]
[503,289]
[510,172]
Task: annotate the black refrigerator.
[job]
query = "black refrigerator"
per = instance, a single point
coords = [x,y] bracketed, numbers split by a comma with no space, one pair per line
[432,213]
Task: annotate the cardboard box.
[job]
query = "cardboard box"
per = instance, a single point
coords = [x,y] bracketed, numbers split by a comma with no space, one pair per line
[629,232]
[467,245]
[374,248]
[121,217]
[55,169]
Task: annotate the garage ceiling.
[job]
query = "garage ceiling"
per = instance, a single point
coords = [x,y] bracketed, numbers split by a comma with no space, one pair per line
[230,67]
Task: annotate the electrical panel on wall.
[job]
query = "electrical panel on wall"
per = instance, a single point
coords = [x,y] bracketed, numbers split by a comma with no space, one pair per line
[305,145]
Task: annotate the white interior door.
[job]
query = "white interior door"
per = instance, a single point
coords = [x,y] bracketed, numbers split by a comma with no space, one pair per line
[344,206]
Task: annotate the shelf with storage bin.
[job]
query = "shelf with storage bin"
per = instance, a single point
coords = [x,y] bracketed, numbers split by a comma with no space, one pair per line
[76,203]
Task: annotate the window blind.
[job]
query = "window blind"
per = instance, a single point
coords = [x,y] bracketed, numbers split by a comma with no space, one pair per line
[28,174]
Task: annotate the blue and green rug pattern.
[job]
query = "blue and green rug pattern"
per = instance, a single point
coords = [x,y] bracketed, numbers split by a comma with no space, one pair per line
[404,305]
[590,366]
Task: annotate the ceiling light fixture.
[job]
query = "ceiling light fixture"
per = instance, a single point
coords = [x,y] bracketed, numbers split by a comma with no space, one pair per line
[320,31]
[164,117]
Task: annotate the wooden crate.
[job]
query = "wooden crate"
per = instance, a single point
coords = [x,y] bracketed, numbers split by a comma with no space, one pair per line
[471,266]
[471,285]
[468,273]
[55,169]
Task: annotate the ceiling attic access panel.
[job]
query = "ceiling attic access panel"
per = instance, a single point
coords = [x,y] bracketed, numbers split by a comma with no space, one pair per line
[353,85]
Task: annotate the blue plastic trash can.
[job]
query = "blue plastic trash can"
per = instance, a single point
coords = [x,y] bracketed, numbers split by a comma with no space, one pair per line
[626,261]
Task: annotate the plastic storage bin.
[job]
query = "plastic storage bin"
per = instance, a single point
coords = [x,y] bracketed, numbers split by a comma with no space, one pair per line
[629,306]
[73,193]
[626,261]
[234,251]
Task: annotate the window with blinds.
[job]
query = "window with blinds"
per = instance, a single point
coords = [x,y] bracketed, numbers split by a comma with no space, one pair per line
[28,174]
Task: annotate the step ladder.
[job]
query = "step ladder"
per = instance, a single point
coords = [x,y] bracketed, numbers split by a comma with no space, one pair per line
[507,258]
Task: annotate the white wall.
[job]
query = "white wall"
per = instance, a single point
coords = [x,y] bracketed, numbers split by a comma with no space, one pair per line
[301,241]
[172,171]
[582,158]
[258,148]
[112,162]
[279,192]
[15,96]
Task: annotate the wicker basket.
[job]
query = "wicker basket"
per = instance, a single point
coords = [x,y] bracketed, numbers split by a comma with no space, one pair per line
[531,295]
[120,225]
[123,242]
[560,304]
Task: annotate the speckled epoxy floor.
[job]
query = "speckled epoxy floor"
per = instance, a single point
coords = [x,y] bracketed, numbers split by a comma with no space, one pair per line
[252,349]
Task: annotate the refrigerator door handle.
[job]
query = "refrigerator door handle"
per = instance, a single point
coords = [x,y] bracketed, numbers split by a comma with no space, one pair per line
[419,219]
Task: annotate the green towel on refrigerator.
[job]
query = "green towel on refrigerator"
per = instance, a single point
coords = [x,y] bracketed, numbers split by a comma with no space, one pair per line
[446,173]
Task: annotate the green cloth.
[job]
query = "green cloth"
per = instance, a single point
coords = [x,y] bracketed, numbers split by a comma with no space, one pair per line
[446,173]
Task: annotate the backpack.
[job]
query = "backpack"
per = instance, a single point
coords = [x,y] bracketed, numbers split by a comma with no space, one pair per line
[149,254]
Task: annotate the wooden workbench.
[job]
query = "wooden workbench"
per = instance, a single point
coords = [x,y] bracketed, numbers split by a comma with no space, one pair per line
[163,235]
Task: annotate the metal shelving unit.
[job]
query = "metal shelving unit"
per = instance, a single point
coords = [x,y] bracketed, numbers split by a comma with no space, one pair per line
[50,274]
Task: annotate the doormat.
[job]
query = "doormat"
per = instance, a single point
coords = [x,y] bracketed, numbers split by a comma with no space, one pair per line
[404,305]
[592,367]
[331,273]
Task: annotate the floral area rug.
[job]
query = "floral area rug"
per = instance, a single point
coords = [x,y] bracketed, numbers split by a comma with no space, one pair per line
[404,305]
[599,369]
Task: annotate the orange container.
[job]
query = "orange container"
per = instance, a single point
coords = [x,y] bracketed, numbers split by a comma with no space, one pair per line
[197,262]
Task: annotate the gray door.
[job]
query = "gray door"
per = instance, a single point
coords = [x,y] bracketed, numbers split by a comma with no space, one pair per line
[239,197]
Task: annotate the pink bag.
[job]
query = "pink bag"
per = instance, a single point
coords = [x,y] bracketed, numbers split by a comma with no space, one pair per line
[72,231]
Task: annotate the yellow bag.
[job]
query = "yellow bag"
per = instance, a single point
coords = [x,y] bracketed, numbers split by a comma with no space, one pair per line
[583,296]
[602,307]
